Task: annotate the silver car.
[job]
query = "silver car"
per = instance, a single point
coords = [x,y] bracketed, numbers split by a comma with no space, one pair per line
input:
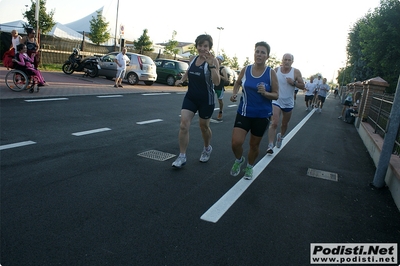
[140,68]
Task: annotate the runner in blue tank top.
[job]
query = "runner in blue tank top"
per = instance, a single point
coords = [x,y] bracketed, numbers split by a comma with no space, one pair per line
[260,86]
[202,74]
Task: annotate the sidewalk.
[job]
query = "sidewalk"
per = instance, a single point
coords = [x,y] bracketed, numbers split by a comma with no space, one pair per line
[61,84]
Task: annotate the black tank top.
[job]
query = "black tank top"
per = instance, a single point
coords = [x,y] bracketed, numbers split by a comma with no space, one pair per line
[31,46]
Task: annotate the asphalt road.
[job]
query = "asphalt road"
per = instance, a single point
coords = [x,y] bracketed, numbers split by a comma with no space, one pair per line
[79,194]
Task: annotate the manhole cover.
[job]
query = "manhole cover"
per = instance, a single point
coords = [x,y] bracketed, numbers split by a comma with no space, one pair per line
[156,155]
[322,174]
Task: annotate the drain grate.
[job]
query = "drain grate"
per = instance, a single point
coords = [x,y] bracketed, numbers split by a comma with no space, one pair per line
[322,174]
[156,155]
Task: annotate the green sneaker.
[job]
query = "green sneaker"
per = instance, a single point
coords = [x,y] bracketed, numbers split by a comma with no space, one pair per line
[248,173]
[236,167]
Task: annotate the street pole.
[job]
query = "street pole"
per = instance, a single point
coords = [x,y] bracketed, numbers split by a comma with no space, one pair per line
[388,142]
[219,37]
[116,26]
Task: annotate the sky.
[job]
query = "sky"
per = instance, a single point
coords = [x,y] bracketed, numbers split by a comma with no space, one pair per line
[314,31]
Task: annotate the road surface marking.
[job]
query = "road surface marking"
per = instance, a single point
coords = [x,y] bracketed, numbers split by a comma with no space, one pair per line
[46,100]
[78,134]
[149,121]
[215,212]
[152,94]
[16,145]
[110,96]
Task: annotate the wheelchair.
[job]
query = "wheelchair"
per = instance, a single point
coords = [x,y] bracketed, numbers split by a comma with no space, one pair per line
[18,80]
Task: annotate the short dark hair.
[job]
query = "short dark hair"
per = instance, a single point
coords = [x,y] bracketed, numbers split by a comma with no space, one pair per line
[204,37]
[29,30]
[20,46]
[264,44]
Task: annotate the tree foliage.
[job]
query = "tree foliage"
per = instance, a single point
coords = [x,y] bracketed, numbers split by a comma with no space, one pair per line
[98,29]
[171,47]
[143,43]
[373,46]
[46,21]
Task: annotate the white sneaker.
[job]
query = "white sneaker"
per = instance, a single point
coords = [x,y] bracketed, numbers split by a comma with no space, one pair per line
[270,149]
[278,140]
[205,155]
[179,162]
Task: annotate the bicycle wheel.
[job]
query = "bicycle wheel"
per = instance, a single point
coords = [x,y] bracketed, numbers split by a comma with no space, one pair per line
[17,80]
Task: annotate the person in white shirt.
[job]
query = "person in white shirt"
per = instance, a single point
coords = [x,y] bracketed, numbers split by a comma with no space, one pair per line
[288,78]
[122,60]
[323,90]
[318,83]
[309,94]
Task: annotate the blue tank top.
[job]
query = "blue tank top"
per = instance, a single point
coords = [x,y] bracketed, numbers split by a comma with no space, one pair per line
[253,104]
[201,87]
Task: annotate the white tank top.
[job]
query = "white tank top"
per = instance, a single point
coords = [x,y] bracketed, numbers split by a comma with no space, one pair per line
[286,91]
[15,42]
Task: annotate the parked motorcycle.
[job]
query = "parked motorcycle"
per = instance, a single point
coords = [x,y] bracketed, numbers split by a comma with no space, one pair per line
[75,62]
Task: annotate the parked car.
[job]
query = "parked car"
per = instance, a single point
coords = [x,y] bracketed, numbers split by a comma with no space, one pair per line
[168,70]
[140,68]
[231,75]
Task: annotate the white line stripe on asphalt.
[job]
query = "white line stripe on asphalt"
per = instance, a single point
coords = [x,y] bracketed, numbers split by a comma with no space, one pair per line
[46,100]
[149,121]
[78,134]
[109,96]
[16,145]
[152,94]
[215,212]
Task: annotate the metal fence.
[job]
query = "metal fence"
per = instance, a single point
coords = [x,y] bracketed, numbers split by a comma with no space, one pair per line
[378,117]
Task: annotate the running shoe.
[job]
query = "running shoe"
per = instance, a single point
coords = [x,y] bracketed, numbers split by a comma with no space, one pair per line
[340,117]
[278,140]
[270,149]
[179,162]
[205,155]
[219,117]
[236,167]
[248,173]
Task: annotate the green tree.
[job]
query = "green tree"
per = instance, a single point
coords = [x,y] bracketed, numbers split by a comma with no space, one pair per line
[171,47]
[46,21]
[235,63]
[98,29]
[193,50]
[273,62]
[247,62]
[373,45]
[143,44]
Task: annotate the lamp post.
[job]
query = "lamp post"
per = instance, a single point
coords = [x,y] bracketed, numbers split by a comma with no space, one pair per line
[219,37]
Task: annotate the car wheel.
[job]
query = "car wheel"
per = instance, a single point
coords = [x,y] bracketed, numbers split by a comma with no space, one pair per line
[149,83]
[93,71]
[170,80]
[109,78]
[132,78]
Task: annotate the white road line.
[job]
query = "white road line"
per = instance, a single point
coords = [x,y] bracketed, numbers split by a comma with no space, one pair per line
[152,94]
[215,212]
[78,134]
[46,100]
[149,121]
[16,145]
[109,96]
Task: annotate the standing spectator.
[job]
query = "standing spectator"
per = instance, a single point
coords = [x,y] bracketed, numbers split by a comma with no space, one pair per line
[32,45]
[288,78]
[336,91]
[203,74]
[260,86]
[9,55]
[309,95]
[323,90]
[220,88]
[121,60]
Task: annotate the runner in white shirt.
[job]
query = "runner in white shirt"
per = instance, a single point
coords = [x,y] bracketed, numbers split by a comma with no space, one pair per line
[309,93]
